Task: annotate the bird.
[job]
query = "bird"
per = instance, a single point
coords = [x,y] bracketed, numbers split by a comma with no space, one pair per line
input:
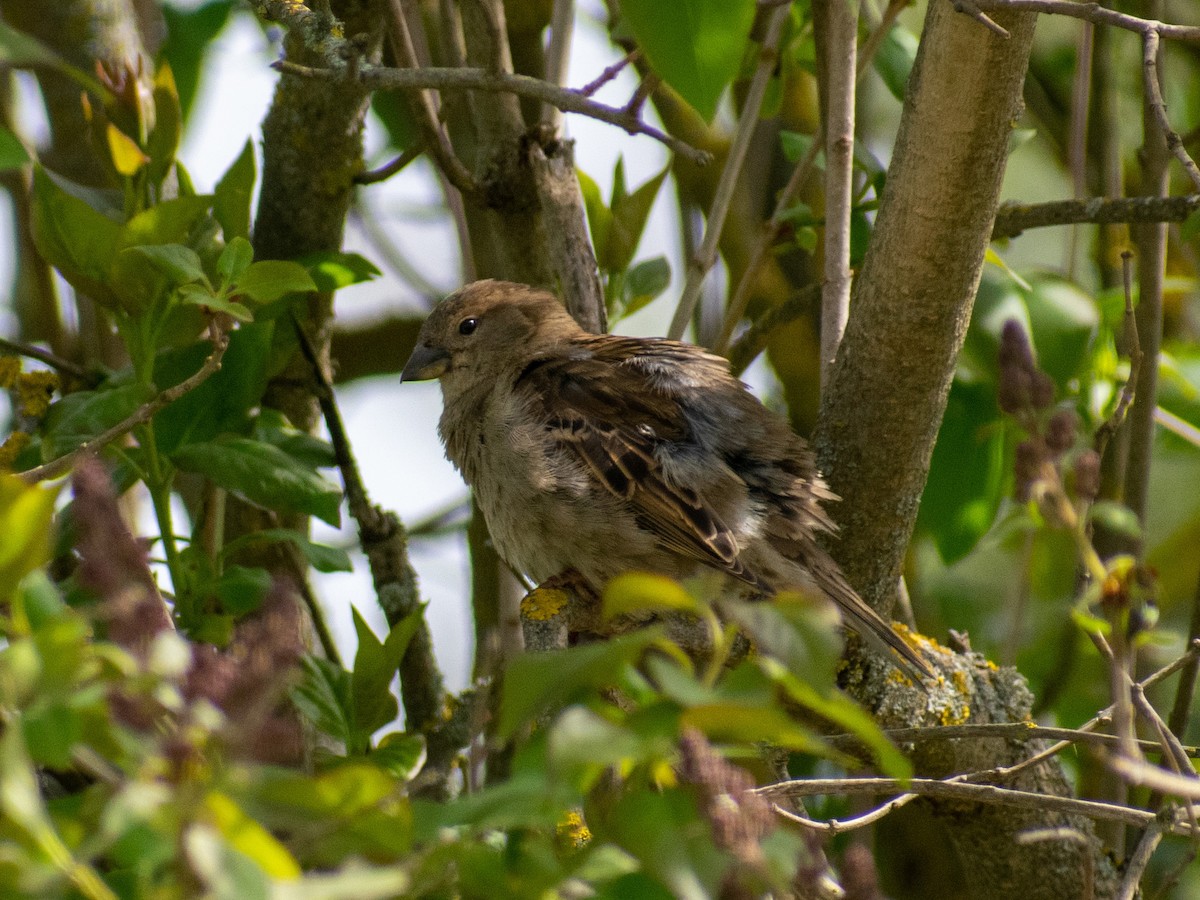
[598,454]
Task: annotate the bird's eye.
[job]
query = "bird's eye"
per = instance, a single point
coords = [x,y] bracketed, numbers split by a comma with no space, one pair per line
[468,326]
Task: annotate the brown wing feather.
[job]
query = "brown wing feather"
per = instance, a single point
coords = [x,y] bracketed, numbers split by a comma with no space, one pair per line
[613,416]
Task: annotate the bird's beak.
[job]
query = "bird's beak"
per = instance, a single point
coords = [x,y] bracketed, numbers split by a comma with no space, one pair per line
[425,363]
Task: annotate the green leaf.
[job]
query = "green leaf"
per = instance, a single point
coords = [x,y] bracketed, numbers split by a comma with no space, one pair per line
[333,270]
[628,221]
[839,709]
[660,829]
[235,259]
[537,682]
[894,59]
[642,284]
[270,279]
[263,474]
[127,157]
[582,745]
[598,215]
[1191,226]
[632,592]
[79,417]
[241,590]
[375,664]
[801,631]
[198,295]
[1117,518]
[969,471]
[401,754]
[795,145]
[323,697]
[26,512]
[13,154]
[163,140]
[1065,323]
[748,725]
[179,263]
[173,221]
[231,197]
[272,426]
[73,237]
[696,46]
[320,556]
[224,401]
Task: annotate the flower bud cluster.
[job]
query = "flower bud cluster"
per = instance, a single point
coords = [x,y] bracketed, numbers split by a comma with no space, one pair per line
[1048,454]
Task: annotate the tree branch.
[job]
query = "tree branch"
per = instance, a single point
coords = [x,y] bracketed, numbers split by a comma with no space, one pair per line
[1013,218]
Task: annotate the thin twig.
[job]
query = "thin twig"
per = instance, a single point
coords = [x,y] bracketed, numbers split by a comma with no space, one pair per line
[841,57]
[142,415]
[384,541]
[558,54]
[383,78]
[610,73]
[1135,867]
[1009,731]
[1110,425]
[974,793]
[706,256]
[425,105]
[52,360]
[394,167]
[1158,106]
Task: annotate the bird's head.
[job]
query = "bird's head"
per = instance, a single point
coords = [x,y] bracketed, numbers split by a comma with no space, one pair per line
[486,327]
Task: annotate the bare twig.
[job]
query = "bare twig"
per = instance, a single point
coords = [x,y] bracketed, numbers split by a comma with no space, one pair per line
[425,105]
[974,793]
[1158,106]
[1110,425]
[558,53]
[1135,867]
[706,256]
[142,415]
[53,360]
[610,73]
[841,57]
[1014,218]
[383,78]
[1009,731]
[385,543]
[394,167]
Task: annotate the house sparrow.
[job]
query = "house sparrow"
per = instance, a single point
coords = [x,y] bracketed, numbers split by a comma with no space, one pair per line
[603,454]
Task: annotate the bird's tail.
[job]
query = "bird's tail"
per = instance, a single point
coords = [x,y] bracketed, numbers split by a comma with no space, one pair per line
[862,619]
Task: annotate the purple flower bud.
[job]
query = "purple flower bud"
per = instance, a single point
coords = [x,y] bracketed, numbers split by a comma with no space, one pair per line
[1041,391]
[1014,347]
[1030,456]
[1087,475]
[1062,430]
[1013,391]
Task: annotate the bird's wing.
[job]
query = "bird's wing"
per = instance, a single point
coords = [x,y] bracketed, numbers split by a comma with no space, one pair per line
[613,401]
